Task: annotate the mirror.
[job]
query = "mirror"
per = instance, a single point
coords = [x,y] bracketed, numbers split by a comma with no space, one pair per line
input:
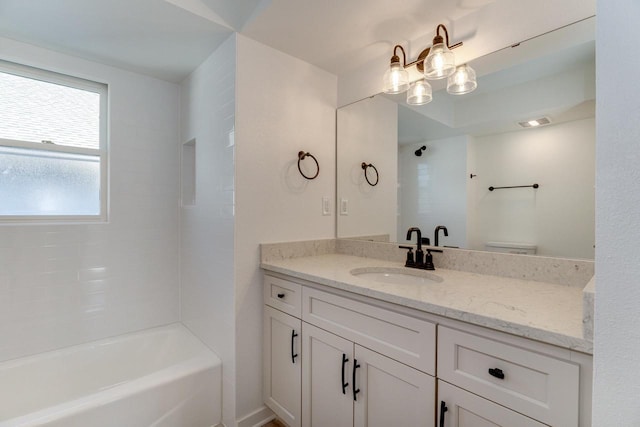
[436,162]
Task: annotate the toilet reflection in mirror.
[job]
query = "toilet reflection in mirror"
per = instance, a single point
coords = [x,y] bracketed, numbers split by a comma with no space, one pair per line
[477,141]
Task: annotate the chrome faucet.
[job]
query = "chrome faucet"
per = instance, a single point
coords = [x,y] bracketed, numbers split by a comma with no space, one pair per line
[437,232]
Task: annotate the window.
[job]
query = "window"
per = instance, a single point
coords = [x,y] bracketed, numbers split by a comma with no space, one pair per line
[53,162]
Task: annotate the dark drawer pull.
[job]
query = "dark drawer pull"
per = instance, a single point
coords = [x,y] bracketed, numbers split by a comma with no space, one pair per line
[293,353]
[281,295]
[344,363]
[353,380]
[495,372]
[443,409]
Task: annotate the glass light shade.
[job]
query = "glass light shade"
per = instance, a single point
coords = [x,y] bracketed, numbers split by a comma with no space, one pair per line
[419,93]
[462,81]
[396,79]
[439,63]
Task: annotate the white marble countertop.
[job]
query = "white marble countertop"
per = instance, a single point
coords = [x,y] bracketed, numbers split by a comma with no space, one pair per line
[545,312]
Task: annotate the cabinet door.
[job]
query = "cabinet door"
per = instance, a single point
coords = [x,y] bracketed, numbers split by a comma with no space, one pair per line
[282,365]
[464,409]
[391,394]
[326,379]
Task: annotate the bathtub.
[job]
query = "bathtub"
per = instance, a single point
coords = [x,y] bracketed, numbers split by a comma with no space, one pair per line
[162,377]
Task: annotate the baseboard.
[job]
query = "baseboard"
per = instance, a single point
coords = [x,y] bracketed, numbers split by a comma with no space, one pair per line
[257,418]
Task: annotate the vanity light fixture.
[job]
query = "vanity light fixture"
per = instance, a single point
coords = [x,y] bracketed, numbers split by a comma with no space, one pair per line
[435,62]
[440,62]
[419,93]
[462,81]
[396,79]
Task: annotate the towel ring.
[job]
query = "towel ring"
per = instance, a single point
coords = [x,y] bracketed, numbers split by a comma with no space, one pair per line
[301,157]
[367,166]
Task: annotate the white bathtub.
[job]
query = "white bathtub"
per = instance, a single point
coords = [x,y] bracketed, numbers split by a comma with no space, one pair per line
[163,377]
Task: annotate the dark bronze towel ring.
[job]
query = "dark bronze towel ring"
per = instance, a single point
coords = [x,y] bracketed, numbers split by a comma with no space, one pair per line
[301,157]
[366,166]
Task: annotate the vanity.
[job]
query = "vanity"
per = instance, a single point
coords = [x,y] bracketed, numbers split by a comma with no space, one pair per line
[363,341]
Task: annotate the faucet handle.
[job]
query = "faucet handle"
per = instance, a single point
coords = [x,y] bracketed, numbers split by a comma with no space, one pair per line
[428,263]
[410,262]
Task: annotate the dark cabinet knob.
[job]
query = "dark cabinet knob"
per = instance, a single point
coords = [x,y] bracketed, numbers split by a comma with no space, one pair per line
[497,373]
[281,295]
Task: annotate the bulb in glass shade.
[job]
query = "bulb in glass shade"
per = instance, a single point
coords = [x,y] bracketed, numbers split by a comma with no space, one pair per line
[439,63]
[419,93]
[396,79]
[462,81]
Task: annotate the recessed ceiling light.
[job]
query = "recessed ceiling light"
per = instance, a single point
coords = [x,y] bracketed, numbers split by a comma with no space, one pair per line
[535,122]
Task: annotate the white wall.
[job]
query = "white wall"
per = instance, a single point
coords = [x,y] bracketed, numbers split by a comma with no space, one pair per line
[433,190]
[207,107]
[617,335]
[559,216]
[284,105]
[62,285]
[368,132]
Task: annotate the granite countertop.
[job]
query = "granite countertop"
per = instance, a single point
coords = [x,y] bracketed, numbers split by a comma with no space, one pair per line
[545,312]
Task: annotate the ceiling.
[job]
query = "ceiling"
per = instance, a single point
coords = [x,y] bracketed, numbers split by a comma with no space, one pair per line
[169,38]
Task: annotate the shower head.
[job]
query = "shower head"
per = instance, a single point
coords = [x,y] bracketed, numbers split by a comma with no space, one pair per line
[419,151]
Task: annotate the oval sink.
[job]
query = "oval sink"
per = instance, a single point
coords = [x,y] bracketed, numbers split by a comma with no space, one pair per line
[396,276]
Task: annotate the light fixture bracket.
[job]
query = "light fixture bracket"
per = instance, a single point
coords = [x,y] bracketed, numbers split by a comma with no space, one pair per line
[395,59]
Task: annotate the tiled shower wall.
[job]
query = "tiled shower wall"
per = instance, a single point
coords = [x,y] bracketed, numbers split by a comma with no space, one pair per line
[62,285]
[207,109]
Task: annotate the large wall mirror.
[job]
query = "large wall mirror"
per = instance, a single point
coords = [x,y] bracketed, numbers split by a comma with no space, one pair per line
[436,162]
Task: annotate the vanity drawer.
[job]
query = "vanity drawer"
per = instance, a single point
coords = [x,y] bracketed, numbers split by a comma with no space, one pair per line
[539,386]
[464,409]
[406,339]
[283,294]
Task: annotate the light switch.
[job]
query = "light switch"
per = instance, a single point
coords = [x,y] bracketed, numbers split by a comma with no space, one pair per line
[326,206]
[344,206]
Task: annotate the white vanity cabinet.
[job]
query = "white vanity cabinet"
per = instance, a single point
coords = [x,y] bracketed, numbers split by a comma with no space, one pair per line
[345,384]
[357,364]
[538,385]
[333,358]
[459,408]
[282,365]
[282,334]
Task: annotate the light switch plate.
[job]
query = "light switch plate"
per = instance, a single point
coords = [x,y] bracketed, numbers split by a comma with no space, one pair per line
[326,206]
[344,206]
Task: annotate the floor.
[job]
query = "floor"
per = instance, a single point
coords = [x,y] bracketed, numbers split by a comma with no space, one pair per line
[274,423]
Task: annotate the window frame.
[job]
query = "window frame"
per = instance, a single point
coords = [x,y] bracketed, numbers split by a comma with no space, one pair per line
[102,89]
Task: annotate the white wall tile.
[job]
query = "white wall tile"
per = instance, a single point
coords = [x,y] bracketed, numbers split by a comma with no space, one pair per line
[66,284]
[207,105]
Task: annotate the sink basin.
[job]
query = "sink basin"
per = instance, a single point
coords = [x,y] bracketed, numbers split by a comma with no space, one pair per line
[396,276]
